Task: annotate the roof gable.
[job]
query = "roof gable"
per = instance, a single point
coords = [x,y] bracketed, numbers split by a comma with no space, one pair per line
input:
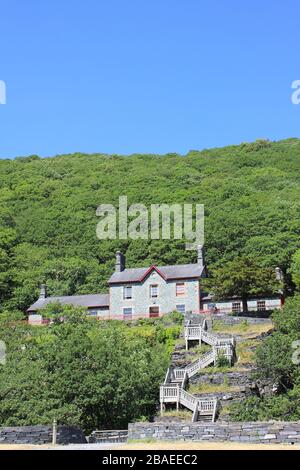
[149,271]
[179,271]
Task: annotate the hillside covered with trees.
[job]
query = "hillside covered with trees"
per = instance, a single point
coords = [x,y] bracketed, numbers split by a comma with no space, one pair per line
[251,194]
[102,374]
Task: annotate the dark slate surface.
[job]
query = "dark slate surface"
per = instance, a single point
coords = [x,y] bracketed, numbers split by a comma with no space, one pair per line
[89,301]
[179,271]
[41,435]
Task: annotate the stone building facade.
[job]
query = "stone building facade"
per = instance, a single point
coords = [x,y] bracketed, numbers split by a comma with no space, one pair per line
[151,292]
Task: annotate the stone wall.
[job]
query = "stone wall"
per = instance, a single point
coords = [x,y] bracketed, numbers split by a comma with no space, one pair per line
[166,301]
[232,320]
[40,435]
[259,432]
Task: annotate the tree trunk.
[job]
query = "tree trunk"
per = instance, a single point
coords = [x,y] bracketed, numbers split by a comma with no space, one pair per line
[245,305]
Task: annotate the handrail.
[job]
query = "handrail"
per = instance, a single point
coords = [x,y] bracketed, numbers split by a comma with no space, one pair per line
[215,411]
[187,399]
[173,389]
[167,376]
[198,332]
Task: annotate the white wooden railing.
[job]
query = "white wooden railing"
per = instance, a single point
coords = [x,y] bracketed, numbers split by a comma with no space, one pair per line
[173,388]
[192,369]
[199,333]
[187,399]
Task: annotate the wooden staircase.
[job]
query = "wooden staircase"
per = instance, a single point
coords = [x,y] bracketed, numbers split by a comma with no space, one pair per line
[200,333]
[173,388]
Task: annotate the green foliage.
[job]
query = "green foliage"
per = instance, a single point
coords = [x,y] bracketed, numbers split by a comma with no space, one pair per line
[85,372]
[251,194]
[274,360]
[222,361]
[295,269]
[242,277]
[288,320]
[282,408]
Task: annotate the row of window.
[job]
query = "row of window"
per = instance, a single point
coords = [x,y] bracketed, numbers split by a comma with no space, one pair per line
[237,306]
[153,311]
[153,291]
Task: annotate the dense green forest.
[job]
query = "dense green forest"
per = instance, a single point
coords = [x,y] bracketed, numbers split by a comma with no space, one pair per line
[102,374]
[251,194]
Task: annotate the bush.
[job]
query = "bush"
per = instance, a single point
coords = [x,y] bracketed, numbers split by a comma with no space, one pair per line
[82,372]
[222,361]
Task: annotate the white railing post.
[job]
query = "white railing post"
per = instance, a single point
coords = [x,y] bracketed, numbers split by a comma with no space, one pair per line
[54,432]
[178,398]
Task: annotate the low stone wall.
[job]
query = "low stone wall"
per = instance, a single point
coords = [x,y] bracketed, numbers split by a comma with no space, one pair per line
[259,432]
[231,320]
[40,435]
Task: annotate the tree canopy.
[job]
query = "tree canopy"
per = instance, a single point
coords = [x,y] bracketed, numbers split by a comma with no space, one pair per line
[251,194]
[97,375]
[278,359]
[242,277]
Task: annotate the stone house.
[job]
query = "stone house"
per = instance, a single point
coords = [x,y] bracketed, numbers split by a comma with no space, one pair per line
[151,292]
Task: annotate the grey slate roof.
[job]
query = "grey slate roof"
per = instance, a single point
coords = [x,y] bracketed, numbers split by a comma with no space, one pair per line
[89,301]
[178,271]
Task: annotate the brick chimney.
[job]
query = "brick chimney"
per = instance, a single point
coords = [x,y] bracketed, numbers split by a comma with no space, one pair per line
[200,258]
[120,262]
[43,292]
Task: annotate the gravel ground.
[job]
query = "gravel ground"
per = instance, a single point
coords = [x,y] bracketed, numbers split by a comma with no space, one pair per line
[157,446]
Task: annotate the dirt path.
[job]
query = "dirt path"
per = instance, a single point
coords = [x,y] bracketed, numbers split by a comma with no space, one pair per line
[157,446]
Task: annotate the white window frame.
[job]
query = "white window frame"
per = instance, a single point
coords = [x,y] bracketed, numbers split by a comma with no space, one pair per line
[180,305]
[93,313]
[184,289]
[234,310]
[264,305]
[124,292]
[151,295]
[127,314]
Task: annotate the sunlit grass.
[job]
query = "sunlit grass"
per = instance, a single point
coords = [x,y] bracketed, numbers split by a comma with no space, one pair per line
[184,414]
[213,388]
[244,328]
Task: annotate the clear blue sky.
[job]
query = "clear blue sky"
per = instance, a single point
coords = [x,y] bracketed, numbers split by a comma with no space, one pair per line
[125,76]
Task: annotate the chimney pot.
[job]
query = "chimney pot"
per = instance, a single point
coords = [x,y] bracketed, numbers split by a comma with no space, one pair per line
[120,262]
[200,259]
[43,292]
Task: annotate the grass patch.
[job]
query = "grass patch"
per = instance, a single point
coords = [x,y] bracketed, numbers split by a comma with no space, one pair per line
[214,370]
[184,414]
[242,329]
[246,355]
[213,388]
[142,441]
[201,349]
[180,341]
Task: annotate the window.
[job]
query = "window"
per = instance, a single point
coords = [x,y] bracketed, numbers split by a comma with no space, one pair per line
[154,290]
[127,313]
[236,307]
[180,289]
[180,308]
[261,305]
[93,313]
[153,312]
[127,292]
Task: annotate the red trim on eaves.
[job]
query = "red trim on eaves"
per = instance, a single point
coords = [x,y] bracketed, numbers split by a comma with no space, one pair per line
[150,270]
